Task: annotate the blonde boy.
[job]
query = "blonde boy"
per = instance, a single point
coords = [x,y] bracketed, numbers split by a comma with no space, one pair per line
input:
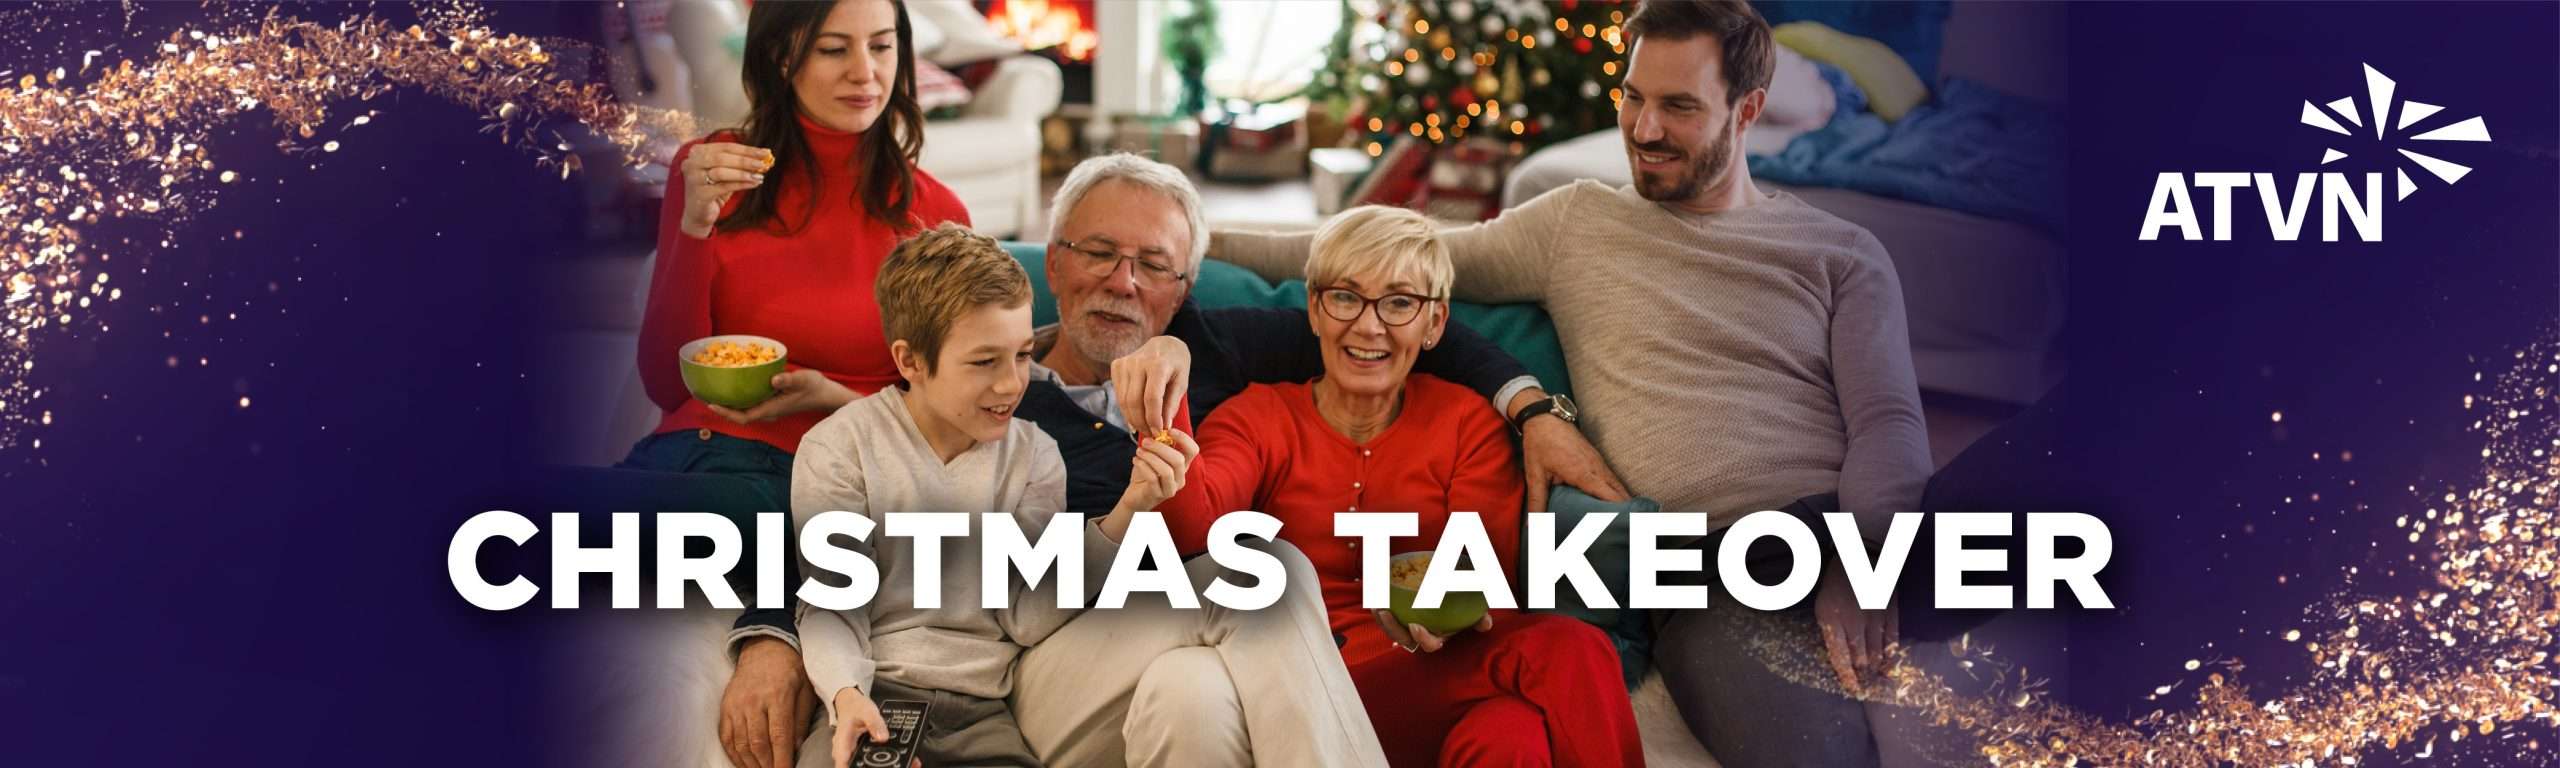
[957,311]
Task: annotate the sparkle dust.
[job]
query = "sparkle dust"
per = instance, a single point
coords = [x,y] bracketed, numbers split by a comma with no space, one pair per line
[2394,676]
[125,140]
[2464,658]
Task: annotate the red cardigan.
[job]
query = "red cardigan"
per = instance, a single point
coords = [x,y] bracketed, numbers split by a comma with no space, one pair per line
[810,290]
[1266,449]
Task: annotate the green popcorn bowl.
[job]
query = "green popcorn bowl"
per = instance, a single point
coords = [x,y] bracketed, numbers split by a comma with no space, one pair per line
[740,387]
[1458,610]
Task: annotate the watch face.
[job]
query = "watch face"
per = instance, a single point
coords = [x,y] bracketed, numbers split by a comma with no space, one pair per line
[1566,409]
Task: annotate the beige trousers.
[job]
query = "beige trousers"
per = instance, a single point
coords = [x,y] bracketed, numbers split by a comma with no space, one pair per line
[644,691]
[1145,685]
[1148,685]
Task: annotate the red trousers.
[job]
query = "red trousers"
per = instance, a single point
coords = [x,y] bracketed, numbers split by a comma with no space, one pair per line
[1537,690]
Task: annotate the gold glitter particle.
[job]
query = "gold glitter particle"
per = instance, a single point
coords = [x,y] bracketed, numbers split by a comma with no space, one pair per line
[157,114]
[2452,660]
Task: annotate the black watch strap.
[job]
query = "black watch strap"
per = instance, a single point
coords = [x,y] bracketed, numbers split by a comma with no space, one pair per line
[1520,422]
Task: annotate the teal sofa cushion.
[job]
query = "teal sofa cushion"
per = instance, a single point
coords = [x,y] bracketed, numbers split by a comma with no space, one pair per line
[1611,556]
[1524,330]
[1044,306]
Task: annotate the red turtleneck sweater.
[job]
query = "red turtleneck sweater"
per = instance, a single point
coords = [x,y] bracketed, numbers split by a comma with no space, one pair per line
[810,289]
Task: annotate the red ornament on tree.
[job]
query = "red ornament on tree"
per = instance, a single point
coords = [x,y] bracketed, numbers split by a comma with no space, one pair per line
[1582,45]
[1461,97]
[1569,4]
[1430,103]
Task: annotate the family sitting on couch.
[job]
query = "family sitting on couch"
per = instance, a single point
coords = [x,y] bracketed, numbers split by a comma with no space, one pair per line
[1738,351]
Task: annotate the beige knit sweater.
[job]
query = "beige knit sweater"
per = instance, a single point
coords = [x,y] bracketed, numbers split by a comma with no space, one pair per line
[1725,363]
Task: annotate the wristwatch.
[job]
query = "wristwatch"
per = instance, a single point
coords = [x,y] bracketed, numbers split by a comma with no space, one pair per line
[1559,406]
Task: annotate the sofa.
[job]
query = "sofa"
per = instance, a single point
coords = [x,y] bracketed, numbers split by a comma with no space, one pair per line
[600,408]
[600,340]
[988,153]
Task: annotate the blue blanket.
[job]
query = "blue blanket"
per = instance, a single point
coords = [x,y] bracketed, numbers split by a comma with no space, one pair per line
[1970,148]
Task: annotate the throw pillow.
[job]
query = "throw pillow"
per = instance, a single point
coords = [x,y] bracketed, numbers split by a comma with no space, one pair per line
[1892,88]
[1629,629]
[937,88]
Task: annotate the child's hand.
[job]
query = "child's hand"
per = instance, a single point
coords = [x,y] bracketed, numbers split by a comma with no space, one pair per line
[856,717]
[1158,471]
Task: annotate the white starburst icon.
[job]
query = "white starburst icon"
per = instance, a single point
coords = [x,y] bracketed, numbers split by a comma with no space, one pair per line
[2411,113]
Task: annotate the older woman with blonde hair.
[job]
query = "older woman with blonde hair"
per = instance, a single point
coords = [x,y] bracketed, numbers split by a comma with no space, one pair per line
[1516,689]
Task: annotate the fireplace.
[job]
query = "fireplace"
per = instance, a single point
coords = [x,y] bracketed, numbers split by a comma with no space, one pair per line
[1061,30]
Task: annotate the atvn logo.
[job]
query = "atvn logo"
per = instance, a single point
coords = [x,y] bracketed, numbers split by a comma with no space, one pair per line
[2357,201]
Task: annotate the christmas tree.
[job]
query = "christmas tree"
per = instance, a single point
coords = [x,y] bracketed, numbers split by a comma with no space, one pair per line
[1524,71]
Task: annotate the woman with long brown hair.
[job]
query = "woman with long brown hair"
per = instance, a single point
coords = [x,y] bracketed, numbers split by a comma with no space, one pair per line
[778,228]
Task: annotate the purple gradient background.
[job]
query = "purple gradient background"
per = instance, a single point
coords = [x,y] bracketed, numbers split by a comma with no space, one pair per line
[188,581]
[2181,351]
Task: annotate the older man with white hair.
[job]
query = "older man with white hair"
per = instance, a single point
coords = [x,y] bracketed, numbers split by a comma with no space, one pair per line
[1132,354]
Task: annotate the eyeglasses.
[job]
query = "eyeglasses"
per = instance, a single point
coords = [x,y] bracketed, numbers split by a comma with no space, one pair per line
[1100,257]
[1394,309]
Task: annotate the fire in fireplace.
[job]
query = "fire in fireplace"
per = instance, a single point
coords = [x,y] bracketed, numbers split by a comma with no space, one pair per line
[1062,30]
[1063,25]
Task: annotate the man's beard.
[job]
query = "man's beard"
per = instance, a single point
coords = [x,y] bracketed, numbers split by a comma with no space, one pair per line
[1100,342]
[1704,168]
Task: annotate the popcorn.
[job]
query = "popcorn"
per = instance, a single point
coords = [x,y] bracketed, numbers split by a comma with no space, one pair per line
[734,354]
[1407,572]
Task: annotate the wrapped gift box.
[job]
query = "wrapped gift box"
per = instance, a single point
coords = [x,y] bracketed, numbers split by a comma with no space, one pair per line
[1335,171]
[1174,141]
[1268,141]
[1464,182]
[1396,177]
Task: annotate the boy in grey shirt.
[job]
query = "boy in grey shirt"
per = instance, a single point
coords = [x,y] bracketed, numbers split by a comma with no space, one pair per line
[958,314]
